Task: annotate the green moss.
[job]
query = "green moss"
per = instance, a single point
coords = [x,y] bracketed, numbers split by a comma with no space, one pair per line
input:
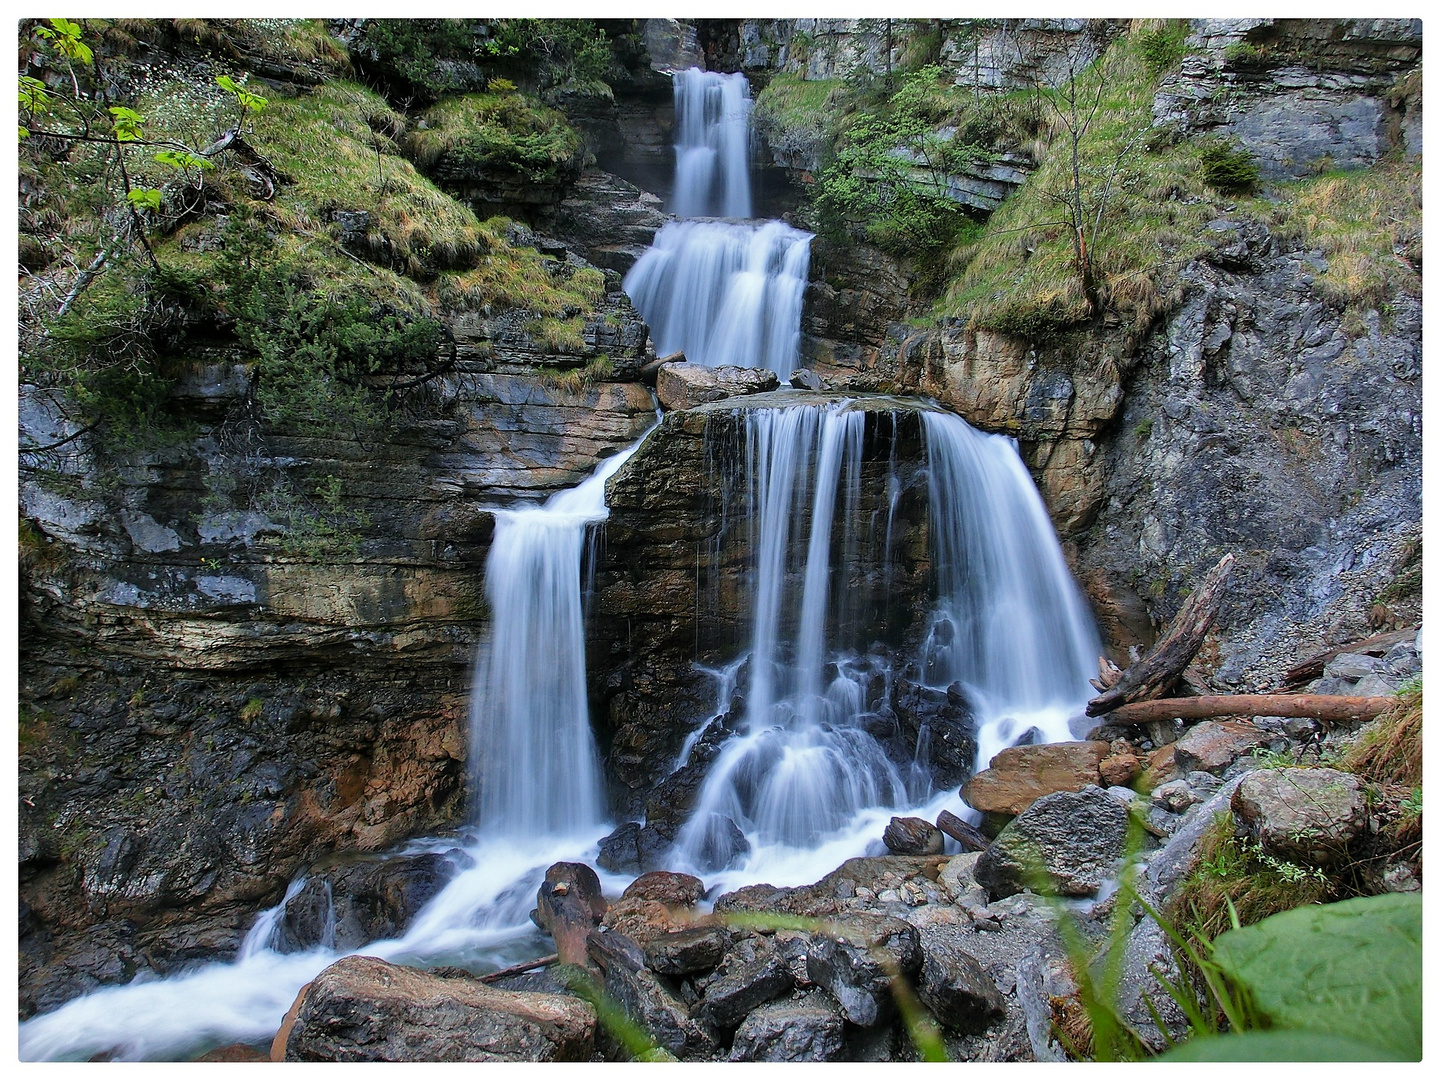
[505,132]
[795,113]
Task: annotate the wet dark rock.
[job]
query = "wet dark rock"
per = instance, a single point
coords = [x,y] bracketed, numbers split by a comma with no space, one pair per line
[809,1029]
[913,836]
[954,986]
[939,727]
[645,997]
[686,952]
[348,905]
[851,959]
[1064,844]
[752,973]
[363,1009]
[722,843]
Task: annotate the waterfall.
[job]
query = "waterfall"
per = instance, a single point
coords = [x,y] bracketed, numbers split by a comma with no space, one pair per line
[1009,622]
[534,758]
[724,293]
[803,778]
[712,145]
[721,292]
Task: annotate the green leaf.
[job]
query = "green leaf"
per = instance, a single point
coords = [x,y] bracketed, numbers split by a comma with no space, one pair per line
[1350,968]
[144,198]
[1277,1045]
[33,94]
[24,132]
[127,123]
[66,37]
[183,159]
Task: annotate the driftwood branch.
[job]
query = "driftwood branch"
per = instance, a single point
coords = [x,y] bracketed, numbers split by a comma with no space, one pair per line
[1327,708]
[962,832]
[518,969]
[1159,669]
[1313,667]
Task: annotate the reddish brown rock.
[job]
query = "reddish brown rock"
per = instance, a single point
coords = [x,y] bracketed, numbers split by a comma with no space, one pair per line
[1119,769]
[1021,774]
[666,887]
[1159,767]
[1212,746]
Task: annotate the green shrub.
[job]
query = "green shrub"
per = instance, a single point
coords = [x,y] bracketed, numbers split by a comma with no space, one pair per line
[1229,169]
[504,131]
[1163,47]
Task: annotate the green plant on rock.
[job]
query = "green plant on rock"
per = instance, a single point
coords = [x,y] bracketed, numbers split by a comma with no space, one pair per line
[502,130]
[1163,46]
[1229,169]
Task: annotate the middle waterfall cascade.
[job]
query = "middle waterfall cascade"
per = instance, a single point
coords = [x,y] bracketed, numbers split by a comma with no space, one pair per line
[802,778]
[724,292]
[721,292]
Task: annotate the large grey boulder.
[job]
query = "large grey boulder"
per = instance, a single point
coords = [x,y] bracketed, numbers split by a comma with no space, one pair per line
[1310,816]
[1065,844]
[856,958]
[807,1030]
[352,903]
[683,386]
[953,985]
[364,1009]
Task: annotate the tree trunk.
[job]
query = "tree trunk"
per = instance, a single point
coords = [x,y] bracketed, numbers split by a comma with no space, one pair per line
[1327,708]
[1159,669]
[962,832]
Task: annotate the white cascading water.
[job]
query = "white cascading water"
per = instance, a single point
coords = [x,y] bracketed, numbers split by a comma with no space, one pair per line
[721,292]
[802,779]
[712,145]
[724,292]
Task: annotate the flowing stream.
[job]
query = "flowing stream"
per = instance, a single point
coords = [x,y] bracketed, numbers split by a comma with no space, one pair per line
[801,783]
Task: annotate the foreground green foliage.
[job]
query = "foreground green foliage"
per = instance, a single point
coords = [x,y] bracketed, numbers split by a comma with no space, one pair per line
[1349,971]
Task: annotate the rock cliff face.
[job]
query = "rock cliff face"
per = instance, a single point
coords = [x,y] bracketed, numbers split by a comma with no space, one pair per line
[671,588]
[217,690]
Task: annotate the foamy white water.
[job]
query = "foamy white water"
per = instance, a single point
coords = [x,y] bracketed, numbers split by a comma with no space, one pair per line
[712,145]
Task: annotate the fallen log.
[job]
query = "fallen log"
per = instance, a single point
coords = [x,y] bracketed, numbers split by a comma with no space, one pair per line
[962,832]
[1327,708]
[518,969]
[1162,666]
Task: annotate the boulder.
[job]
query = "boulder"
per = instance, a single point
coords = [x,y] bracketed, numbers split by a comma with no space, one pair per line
[685,952]
[806,1030]
[1159,767]
[364,1009]
[1064,844]
[953,985]
[1176,797]
[913,836]
[752,973]
[353,903]
[1019,775]
[644,997]
[1213,745]
[855,958]
[938,726]
[1310,816]
[666,887]
[683,386]
[1119,769]
[806,379]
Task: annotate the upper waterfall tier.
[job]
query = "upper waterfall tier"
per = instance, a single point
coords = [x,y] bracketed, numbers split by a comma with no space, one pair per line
[712,146]
[725,293]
